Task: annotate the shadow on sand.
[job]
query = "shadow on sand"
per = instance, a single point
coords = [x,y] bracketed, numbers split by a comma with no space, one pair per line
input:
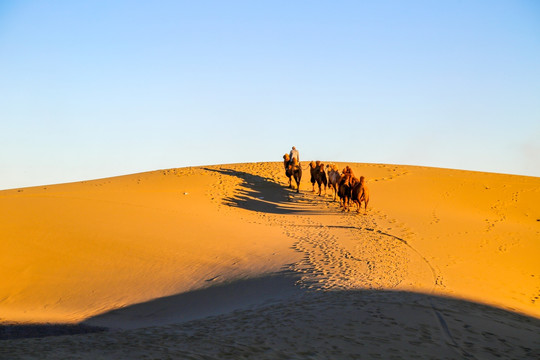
[265,195]
[273,306]
[216,299]
[213,300]
[23,331]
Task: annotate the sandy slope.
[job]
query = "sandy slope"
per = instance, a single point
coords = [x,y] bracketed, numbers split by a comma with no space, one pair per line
[72,251]
[169,246]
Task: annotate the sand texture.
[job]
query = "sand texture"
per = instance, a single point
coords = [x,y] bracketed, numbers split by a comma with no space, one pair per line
[227,262]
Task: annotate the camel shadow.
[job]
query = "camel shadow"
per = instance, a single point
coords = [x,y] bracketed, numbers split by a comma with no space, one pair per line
[262,194]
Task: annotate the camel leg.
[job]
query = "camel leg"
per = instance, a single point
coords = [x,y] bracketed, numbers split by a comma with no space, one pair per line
[365,200]
[365,204]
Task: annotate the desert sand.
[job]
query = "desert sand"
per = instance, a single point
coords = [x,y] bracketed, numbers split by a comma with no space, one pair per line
[225,261]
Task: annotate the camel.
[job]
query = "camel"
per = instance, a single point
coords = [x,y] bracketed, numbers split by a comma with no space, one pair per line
[318,175]
[312,170]
[333,178]
[296,173]
[348,171]
[360,193]
[293,170]
[346,183]
[344,191]
[288,170]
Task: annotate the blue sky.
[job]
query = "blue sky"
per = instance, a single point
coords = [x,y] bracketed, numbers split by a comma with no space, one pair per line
[104,88]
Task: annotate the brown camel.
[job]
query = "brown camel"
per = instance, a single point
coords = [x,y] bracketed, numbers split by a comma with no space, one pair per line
[346,183]
[318,175]
[333,178]
[288,170]
[296,171]
[360,192]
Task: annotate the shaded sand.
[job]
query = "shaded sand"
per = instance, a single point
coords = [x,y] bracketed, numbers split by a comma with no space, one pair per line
[283,274]
[330,325]
[214,300]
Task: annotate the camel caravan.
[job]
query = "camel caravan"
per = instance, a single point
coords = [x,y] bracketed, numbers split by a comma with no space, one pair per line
[344,185]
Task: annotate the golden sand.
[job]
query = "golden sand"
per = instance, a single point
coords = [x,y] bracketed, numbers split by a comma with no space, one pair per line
[75,252]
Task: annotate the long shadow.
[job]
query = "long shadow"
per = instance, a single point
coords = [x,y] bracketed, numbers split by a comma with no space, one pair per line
[263,195]
[216,299]
[23,331]
[213,300]
[405,319]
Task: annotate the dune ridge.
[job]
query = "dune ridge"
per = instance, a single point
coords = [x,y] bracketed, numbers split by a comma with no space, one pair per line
[91,251]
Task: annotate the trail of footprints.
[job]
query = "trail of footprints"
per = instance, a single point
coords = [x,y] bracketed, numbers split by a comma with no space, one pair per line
[369,260]
[348,253]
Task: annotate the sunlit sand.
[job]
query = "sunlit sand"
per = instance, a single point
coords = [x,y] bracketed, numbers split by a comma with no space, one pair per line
[227,261]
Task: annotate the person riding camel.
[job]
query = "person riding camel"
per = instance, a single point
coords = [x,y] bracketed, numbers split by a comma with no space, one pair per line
[294,155]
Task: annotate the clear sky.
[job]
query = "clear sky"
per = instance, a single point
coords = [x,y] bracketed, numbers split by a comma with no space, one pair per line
[92,89]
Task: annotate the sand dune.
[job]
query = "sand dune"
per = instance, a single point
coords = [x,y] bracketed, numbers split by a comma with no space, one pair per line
[153,254]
